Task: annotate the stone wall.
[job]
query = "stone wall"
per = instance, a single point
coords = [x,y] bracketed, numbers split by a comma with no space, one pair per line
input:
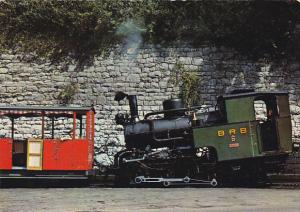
[145,74]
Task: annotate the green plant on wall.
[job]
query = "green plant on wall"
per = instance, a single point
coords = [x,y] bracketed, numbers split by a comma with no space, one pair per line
[66,95]
[188,81]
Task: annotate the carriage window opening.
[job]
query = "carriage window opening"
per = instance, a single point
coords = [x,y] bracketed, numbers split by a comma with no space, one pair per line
[260,109]
[58,127]
[27,127]
[62,127]
[5,130]
[80,126]
[20,128]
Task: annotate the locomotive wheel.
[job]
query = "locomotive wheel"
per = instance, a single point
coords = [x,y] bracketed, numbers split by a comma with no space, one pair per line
[214,183]
[166,183]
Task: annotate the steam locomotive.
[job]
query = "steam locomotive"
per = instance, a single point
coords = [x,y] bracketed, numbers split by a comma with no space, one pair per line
[244,137]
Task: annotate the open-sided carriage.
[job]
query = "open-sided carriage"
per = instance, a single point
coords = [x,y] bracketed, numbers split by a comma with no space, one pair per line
[46,142]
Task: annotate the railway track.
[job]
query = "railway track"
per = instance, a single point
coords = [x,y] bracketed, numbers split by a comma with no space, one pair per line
[290,178]
[280,181]
[277,181]
[286,185]
[285,181]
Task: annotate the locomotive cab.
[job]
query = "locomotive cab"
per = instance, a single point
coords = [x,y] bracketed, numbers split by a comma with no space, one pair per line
[257,124]
[270,113]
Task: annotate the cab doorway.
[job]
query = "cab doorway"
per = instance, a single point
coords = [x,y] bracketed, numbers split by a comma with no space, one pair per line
[266,113]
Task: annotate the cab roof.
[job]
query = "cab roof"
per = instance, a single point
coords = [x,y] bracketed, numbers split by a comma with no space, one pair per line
[261,93]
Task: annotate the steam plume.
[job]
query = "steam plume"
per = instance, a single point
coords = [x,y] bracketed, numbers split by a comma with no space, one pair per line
[132,31]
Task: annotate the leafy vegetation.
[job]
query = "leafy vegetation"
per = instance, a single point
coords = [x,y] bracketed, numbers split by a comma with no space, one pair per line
[255,28]
[66,95]
[188,81]
[82,29]
[65,28]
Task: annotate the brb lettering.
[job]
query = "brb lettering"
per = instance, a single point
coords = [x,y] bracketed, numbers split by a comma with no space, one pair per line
[232,132]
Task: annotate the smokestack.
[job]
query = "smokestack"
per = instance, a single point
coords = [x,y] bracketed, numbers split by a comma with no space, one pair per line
[134,115]
[133,107]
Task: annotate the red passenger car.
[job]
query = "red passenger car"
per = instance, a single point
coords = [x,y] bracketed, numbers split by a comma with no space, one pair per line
[46,142]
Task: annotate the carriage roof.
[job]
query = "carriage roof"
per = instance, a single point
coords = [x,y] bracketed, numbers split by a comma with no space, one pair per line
[25,110]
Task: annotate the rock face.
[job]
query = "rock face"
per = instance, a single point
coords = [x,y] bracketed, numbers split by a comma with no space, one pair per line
[147,75]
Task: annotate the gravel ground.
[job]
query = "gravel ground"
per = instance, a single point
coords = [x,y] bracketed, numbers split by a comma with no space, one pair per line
[149,199]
